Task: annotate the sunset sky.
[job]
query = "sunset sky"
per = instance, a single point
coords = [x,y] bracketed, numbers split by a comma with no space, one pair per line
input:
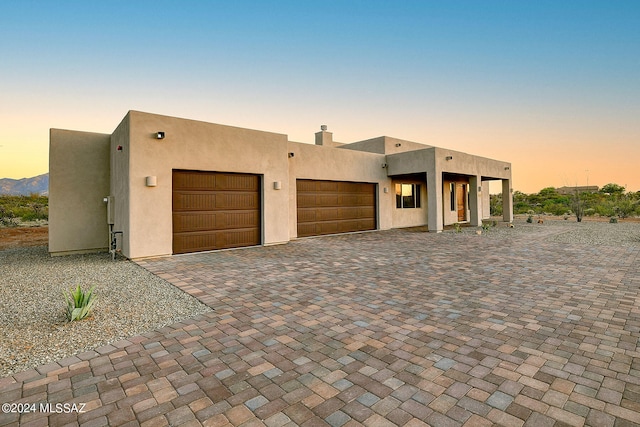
[551,86]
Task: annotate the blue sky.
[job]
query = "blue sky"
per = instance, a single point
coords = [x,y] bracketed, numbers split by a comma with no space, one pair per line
[553,87]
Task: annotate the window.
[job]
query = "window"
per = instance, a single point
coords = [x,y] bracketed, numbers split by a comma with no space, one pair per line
[407,196]
[452,196]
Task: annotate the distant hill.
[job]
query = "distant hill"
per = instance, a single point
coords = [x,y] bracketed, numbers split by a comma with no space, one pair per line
[25,186]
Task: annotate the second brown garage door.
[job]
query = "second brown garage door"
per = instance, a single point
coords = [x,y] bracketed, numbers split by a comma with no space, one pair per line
[329,207]
[214,210]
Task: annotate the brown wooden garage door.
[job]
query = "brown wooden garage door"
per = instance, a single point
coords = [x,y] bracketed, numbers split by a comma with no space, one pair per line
[214,210]
[328,207]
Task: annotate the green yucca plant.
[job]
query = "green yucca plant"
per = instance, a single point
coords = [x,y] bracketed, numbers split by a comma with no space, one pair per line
[79,303]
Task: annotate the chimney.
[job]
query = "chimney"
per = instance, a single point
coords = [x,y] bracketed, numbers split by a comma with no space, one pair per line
[323,137]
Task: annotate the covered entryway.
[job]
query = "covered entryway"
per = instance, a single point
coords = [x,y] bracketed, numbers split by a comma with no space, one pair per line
[215,210]
[330,207]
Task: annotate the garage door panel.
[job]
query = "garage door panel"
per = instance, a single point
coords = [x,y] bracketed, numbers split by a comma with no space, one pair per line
[232,182]
[334,214]
[330,207]
[215,220]
[193,242]
[197,180]
[211,240]
[237,201]
[207,201]
[213,210]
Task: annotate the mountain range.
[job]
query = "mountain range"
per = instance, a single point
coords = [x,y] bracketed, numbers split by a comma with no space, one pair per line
[25,186]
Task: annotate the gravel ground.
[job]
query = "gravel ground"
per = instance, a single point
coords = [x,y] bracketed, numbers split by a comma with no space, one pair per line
[587,232]
[33,325]
[133,301]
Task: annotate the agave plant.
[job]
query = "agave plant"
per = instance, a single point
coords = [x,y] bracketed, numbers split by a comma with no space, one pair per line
[79,303]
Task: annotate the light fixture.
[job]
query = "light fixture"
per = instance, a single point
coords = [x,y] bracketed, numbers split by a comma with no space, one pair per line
[384,166]
[507,168]
[448,158]
[323,127]
[160,135]
[479,189]
[277,185]
[291,155]
[151,181]
[398,145]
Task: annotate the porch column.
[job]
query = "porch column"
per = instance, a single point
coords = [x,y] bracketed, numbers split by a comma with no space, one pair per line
[475,203]
[435,217]
[507,201]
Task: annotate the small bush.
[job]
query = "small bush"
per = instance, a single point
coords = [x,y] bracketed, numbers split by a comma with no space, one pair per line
[613,220]
[79,303]
[530,219]
[7,218]
[458,227]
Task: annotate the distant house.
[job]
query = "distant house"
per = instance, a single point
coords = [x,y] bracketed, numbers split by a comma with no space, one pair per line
[577,189]
[173,186]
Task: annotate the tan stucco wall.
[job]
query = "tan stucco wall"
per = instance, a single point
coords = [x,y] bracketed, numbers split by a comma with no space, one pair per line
[467,164]
[385,145]
[451,216]
[195,145]
[486,202]
[86,167]
[336,164]
[412,217]
[434,162]
[78,182]
[120,182]
[373,145]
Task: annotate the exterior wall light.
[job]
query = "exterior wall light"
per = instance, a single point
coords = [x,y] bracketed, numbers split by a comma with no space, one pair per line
[291,155]
[160,135]
[151,181]
[398,145]
[384,166]
[507,168]
[277,185]
[448,158]
[479,189]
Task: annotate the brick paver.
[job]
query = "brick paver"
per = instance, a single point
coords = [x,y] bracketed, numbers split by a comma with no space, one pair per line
[383,328]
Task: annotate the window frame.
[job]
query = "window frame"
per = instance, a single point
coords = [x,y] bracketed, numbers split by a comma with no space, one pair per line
[401,198]
[453,196]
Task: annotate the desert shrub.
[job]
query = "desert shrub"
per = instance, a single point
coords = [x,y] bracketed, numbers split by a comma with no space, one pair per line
[555,208]
[79,303]
[26,208]
[7,219]
[625,207]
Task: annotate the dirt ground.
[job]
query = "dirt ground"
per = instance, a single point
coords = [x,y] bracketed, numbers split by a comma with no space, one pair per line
[14,237]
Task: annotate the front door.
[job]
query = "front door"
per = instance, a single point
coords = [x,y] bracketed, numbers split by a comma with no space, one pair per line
[461,193]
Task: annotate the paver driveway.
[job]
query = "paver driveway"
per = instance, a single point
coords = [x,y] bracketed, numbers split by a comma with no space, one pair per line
[384,328]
